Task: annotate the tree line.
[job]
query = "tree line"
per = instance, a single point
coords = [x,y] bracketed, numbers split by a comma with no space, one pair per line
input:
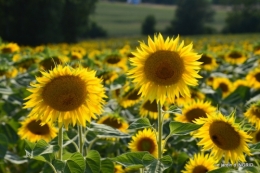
[33,22]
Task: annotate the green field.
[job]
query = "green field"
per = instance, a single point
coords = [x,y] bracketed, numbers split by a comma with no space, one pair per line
[122,19]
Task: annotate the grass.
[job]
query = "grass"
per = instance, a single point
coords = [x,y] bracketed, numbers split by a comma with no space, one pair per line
[122,19]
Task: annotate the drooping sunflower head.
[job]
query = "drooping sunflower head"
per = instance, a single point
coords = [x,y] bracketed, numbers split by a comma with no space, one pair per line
[195,109]
[33,130]
[49,63]
[69,95]
[223,137]
[145,140]
[115,121]
[209,62]
[235,57]
[224,84]
[201,163]
[150,109]
[164,68]
[253,77]
[253,114]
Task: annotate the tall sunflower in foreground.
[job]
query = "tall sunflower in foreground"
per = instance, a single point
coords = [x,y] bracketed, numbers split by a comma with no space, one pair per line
[145,140]
[194,110]
[224,137]
[200,164]
[253,114]
[33,131]
[69,95]
[164,68]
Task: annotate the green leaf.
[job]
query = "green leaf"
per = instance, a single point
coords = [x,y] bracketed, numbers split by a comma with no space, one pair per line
[10,133]
[74,164]
[3,145]
[104,131]
[240,95]
[131,159]
[140,123]
[107,166]
[155,165]
[182,128]
[5,90]
[222,170]
[251,168]
[174,109]
[40,148]
[93,162]
[255,148]
[15,159]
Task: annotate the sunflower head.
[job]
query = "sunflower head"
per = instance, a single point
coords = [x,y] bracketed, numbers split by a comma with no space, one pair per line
[256,136]
[194,110]
[253,78]
[224,137]
[235,57]
[33,130]
[224,84]
[130,97]
[209,62]
[150,109]
[10,48]
[115,121]
[69,95]
[200,163]
[145,140]
[253,114]
[164,69]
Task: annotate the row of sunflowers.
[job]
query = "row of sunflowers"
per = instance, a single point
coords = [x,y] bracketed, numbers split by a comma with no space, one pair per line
[160,105]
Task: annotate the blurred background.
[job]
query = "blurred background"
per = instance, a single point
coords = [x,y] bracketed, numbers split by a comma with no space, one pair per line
[38,22]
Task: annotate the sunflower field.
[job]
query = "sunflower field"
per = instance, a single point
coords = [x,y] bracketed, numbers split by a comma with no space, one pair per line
[132,105]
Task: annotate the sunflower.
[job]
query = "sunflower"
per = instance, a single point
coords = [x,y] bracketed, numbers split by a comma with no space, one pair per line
[193,110]
[116,60]
[114,121]
[195,95]
[253,78]
[71,96]
[224,137]
[224,84]
[253,114]
[150,109]
[235,57]
[241,82]
[33,130]
[256,136]
[50,62]
[108,77]
[10,48]
[164,69]
[130,98]
[200,164]
[118,169]
[145,140]
[209,62]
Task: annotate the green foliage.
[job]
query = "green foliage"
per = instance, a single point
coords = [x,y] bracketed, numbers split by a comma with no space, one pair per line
[140,123]
[190,17]
[148,26]
[179,128]
[41,22]
[244,17]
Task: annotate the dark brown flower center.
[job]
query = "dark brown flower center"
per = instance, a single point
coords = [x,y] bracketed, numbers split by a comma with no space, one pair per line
[224,135]
[112,122]
[164,67]
[195,113]
[65,93]
[146,144]
[257,77]
[133,95]
[50,63]
[223,87]
[35,127]
[256,112]
[205,59]
[200,169]
[113,59]
[235,55]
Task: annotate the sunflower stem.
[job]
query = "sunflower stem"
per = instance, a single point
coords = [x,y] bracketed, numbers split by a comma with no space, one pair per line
[141,170]
[81,140]
[60,143]
[160,129]
[53,168]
